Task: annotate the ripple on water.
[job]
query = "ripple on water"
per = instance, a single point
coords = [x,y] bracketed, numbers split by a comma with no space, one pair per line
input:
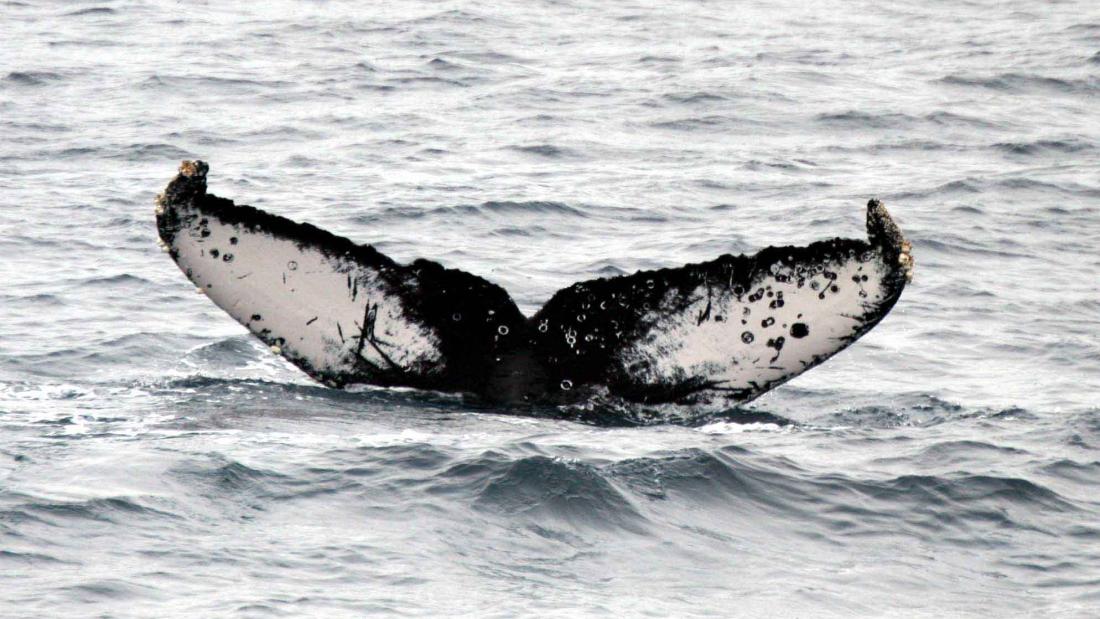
[32,78]
[502,207]
[118,510]
[555,492]
[1038,147]
[1024,83]
[548,151]
[96,10]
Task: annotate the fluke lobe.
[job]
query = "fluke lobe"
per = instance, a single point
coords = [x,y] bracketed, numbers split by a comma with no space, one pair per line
[723,331]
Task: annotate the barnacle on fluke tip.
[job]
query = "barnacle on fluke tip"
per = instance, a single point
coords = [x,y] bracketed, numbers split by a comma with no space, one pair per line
[725,330]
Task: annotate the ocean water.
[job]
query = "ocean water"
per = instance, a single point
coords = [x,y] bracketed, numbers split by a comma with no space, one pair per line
[157,461]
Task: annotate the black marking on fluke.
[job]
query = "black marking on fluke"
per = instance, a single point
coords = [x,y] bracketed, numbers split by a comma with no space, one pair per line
[625,337]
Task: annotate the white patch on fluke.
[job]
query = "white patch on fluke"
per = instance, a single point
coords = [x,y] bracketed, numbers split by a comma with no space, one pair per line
[298,300]
[737,344]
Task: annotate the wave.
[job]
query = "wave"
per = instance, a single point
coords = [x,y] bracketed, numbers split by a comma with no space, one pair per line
[30,558]
[694,98]
[520,484]
[440,64]
[32,78]
[954,244]
[457,16]
[969,490]
[694,475]
[1035,147]
[497,207]
[545,150]
[956,187]
[145,151]
[111,281]
[427,81]
[897,120]
[1024,82]
[559,491]
[98,10]
[178,83]
[694,123]
[118,509]
[230,476]
[926,503]
[955,451]
[1014,185]
[37,301]
[1085,473]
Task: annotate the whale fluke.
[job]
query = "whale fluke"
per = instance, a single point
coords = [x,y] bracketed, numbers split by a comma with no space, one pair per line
[725,330]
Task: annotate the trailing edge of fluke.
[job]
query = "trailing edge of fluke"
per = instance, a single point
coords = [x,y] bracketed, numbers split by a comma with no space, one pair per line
[722,331]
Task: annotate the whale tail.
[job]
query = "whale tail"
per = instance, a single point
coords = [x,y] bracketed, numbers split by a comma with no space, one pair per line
[728,329]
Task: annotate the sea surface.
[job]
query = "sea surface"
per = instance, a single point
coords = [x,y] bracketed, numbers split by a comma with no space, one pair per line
[156,461]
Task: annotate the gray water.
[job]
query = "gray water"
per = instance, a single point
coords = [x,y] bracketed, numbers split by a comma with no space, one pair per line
[157,461]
